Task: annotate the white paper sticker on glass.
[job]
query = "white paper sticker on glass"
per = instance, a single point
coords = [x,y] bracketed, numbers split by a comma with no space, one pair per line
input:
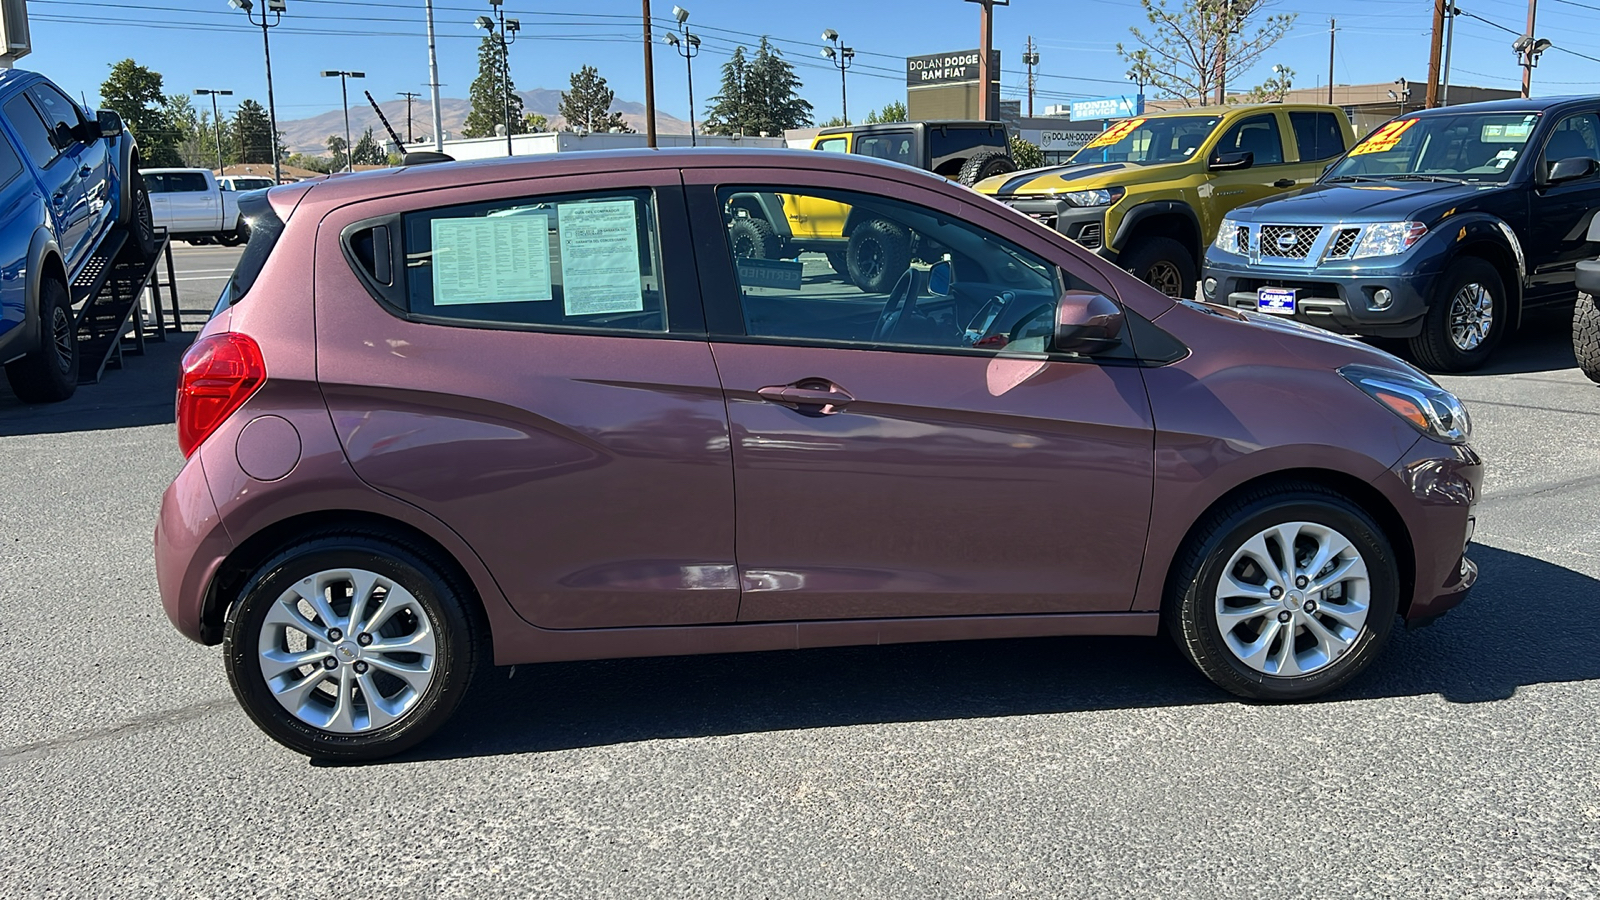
[600,258]
[493,260]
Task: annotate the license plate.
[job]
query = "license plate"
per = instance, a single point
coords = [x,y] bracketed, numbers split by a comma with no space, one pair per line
[1276,300]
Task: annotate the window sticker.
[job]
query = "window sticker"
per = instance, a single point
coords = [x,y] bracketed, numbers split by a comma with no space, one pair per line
[498,260]
[600,258]
[1384,138]
[1115,133]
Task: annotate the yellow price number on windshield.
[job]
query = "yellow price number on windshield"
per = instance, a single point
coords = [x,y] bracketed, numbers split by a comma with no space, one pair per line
[1115,133]
[1384,138]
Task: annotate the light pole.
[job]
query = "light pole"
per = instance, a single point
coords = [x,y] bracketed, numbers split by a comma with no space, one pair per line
[504,31]
[1402,97]
[842,57]
[216,119]
[986,71]
[1450,12]
[349,148]
[688,47]
[277,8]
[1528,50]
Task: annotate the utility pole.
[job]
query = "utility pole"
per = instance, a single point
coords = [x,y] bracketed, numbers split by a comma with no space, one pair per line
[433,84]
[1530,58]
[986,72]
[1332,30]
[649,83]
[1030,58]
[841,57]
[1433,54]
[410,96]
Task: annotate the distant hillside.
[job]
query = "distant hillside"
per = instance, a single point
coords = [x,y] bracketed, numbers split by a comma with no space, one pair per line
[311,135]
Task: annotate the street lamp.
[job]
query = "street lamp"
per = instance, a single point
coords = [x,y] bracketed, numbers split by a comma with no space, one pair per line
[349,148]
[277,8]
[688,47]
[1528,50]
[504,32]
[216,119]
[842,56]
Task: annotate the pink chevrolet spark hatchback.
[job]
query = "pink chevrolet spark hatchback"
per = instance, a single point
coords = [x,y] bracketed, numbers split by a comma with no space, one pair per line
[601,405]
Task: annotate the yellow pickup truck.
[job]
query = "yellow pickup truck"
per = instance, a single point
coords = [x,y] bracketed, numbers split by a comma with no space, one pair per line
[1149,192]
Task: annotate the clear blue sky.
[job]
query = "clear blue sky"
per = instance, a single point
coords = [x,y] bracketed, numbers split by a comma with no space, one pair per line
[205,44]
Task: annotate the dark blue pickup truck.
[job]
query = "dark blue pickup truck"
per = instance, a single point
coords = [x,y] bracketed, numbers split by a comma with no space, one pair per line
[1441,227]
[67,179]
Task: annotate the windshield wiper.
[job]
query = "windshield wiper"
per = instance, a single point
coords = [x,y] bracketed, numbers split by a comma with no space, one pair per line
[1341,179]
[1415,176]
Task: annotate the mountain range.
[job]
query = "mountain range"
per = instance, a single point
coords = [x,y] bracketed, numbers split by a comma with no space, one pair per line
[310,135]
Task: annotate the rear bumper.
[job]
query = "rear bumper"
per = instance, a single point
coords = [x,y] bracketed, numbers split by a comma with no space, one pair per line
[190,545]
[1343,299]
[1435,488]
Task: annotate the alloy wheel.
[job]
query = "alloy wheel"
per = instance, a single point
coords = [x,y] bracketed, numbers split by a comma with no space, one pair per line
[62,338]
[1164,277]
[1471,316]
[347,651]
[1293,599]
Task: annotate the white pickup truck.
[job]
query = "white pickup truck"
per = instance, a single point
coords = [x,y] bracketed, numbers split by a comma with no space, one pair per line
[192,206]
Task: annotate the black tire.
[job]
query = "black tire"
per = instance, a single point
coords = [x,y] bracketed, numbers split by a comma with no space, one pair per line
[140,220]
[986,164]
[50,373]
[1162,263]
[1586,335]
[879,252]
[840,261]
[752,238]
[1190,613]
[239,235]
[441,592]
[1440,348]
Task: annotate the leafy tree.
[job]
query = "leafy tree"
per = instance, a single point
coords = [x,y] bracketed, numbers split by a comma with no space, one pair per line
[135,93]
[249,133]
[588,104]
[1273,89]
[368,152]
[893,112]
[307,161]
[772,91]
[195,138]
[490,92]
[536,123]
[1026,153]
[726,112]
[835,122]
[1195,48]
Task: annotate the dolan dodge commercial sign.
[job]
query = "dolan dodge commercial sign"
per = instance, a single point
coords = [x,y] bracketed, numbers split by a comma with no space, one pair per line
[947,68]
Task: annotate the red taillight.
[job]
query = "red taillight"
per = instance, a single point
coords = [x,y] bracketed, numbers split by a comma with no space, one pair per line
[219,374]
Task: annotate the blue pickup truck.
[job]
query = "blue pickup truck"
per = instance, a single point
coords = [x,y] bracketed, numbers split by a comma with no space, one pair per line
[67,180]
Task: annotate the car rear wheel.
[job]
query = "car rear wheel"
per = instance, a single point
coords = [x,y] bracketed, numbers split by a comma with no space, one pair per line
[1465,321]
[50,373]
[1284,593]
[1586,335]
[879,252]
[142,222]
[1162,263]
[352,646]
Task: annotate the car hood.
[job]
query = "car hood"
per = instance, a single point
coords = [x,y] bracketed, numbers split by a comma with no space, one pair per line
[1306,343]
[1388,201]
[1071,177]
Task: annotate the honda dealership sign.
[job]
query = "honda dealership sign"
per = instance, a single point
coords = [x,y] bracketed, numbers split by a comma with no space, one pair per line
[1108,107]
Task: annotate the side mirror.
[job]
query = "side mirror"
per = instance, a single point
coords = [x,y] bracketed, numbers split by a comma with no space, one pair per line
[1228,162]
[110,123]
[86,132]
[1086,323]
[1570,168]
[941,278]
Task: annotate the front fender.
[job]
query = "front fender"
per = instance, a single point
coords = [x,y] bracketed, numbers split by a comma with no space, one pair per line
[43,252]
[1454,235]
[123,153]
[1132,217]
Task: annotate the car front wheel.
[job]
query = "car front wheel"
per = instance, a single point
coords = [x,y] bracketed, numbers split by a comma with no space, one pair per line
[1284,593]
[1162,263]
[351,646]
[1465,321]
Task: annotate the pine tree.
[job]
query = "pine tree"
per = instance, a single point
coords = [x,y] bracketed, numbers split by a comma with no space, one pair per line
[588,104]
[250,130]
[336,149]
[489,94]
[725,113]
[772,89]
[135,93]
[893,112]
[367,152]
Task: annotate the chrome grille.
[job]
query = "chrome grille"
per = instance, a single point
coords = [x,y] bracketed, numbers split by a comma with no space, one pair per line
[1343,242]
[1289,241]
[1241,240]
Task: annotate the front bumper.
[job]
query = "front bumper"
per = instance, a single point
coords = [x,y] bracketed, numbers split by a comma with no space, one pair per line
[1086,225]
[1342,298]
[1435,488]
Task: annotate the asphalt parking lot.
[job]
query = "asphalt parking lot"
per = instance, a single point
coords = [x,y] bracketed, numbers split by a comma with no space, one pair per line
[1463,764]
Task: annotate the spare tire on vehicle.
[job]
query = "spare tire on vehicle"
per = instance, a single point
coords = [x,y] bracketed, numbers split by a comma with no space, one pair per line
[879,252]
[983,165]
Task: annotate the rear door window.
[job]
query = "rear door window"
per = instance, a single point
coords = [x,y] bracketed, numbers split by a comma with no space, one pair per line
[579,261]
[1317,134]
[31,130]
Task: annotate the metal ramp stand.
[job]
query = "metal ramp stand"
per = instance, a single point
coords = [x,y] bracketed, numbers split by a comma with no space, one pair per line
[108,289]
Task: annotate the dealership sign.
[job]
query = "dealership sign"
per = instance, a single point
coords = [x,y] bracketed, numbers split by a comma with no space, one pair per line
[1062,141]
[960,67]
[1108,107]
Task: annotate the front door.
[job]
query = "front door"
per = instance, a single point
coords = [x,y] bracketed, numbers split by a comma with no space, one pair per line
[192,203]
[520,367]
[916,453]
[1268,175]
[83,164]
[58,174]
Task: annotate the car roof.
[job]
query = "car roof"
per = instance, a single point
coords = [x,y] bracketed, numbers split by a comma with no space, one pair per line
[1514,105]
[901,126]
[345,187]
[1235,109]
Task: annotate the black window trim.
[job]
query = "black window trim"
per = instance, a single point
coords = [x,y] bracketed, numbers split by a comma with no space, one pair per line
[1299,151]
[28,99]
[1273,115]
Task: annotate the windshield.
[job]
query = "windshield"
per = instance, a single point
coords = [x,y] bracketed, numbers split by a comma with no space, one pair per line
[1148,142]
[1462,147]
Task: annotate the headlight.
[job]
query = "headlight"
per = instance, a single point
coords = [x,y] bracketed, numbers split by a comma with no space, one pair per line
[1389,238]
[1102,197]
[1227,236]
[1429,408]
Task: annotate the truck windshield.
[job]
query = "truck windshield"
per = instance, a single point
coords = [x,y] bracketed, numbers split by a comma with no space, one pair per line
[1148,142]
[1461,147]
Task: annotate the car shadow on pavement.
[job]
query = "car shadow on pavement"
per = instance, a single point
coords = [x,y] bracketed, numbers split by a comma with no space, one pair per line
[140,393]
[1543,344]
[1527,622]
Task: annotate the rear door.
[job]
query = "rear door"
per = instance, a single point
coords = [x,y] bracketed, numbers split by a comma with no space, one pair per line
[89,195]
[1561,212]
[514,359]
